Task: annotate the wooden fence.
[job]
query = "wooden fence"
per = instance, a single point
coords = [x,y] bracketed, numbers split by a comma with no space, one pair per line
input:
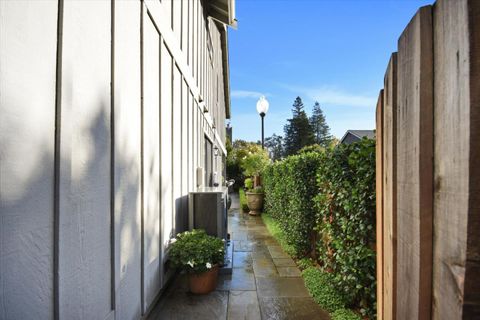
[428,168]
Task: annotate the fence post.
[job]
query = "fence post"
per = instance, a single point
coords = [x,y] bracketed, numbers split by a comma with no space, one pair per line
[415,168]
[390,187]
[379,203]
[456,268]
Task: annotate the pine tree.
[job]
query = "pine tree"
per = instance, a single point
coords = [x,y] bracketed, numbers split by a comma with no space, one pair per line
[320,127]
[274,145]
[298,131]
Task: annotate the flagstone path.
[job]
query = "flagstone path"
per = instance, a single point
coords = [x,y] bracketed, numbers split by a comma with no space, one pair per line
[265,282]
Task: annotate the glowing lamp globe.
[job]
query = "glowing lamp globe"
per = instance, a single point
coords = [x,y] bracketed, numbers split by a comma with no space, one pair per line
[262,106]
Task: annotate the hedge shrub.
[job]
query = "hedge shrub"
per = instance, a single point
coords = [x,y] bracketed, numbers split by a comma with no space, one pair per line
[324,202]
[345,314]
[320,286]
[290,189]
[346,221]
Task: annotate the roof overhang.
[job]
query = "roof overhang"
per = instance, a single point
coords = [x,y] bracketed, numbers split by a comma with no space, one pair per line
[223,11]
[226,69]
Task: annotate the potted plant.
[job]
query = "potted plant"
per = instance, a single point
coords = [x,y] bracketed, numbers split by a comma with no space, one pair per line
[255,200]
[200,256]
[253,165]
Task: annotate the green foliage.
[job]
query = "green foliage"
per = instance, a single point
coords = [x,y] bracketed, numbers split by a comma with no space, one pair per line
[298,130]
[275,147]
[196,252]
[305,263]
[233,165]
[345,314]
[319,284]
[323,201]
[346,221]
[248,183]
[254,162]
[312,148]
[320,128]
[258,189]
[290,188]
[236,154]
[243,200]
[274,228]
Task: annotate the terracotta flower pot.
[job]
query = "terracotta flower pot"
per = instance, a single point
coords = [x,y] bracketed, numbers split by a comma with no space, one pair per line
[255,203]
[205,282]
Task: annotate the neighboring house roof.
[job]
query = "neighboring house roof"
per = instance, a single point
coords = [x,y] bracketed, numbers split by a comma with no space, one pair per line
[357,135]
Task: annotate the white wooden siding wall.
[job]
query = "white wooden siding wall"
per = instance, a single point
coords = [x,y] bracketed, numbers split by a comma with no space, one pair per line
[88,209]
[128,160]
[151,160]
[27,144]
[84,254]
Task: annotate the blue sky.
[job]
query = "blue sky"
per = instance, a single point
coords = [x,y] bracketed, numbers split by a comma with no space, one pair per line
[334,52]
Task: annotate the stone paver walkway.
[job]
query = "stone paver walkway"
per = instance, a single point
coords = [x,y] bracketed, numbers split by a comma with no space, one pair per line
[265,282]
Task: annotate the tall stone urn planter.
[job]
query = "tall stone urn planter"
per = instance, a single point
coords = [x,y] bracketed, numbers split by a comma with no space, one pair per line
[255,203]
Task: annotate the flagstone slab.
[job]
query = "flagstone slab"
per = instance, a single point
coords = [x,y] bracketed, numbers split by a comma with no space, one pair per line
[240,279]
[242,259]
[184,305]
[243,305]
[284,262]
[277,252]
[264,267]
[275,308]
[289,272]
[281,287]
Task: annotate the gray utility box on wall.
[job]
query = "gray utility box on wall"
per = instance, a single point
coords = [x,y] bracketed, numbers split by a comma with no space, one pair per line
[208,210]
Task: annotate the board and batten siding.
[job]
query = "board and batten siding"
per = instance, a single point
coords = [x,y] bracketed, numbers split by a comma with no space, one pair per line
[105,108]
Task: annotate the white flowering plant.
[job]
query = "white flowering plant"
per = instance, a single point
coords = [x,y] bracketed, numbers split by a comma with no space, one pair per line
[196,252]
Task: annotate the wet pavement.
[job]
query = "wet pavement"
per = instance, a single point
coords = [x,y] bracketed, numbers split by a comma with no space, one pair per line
[265,282]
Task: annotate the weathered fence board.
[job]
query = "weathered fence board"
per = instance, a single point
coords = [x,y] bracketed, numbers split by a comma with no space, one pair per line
[415,168]
[379,203]
[457,149]
[390,187]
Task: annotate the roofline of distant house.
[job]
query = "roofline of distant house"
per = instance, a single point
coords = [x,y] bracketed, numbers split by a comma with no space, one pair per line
[350,131]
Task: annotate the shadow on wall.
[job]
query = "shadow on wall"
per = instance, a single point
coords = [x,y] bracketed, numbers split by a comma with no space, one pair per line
[27,215]
[27,221]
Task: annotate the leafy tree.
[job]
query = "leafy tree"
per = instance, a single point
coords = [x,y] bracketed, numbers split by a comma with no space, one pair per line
[320,127]
[275,146]
[298,131]
[244,156]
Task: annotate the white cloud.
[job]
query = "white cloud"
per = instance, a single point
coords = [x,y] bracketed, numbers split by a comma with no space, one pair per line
[335,97]
[246,94]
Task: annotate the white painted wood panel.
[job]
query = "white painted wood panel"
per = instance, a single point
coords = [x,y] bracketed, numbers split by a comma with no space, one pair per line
[177,146]
[151,161]
[185,28]
[28,47]
[185,155]
[84,218]
[166,144]
[127,111]
[177,20]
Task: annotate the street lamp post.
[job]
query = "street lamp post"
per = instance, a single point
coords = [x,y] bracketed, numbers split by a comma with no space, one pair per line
[262,108]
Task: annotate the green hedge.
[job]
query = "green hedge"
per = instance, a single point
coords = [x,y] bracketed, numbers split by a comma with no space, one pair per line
[324,202]
[320,286]
[346,221]
[345,314]
[290,189]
